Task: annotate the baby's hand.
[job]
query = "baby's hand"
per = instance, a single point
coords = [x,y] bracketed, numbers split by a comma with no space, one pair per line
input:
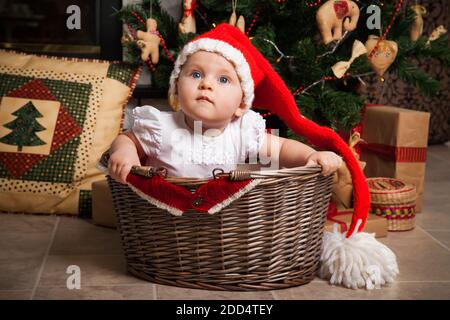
[329,161]
[120,163]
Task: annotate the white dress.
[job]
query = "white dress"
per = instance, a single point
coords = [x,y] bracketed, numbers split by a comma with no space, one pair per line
[168,142]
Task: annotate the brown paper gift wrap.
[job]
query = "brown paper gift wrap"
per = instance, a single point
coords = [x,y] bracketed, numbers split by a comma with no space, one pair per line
[374,223]
[103,212]
[342,195]
[396,141]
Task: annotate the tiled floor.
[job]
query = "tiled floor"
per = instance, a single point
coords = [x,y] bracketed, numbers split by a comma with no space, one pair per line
[35,252]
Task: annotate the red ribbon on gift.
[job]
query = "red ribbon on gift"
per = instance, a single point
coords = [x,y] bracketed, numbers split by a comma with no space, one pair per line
[397,154]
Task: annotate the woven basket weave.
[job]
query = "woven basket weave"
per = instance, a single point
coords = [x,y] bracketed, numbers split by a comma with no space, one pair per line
[395,200]
[270,238]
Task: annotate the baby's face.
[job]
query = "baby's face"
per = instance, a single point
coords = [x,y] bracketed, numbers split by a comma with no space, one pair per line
[209,90]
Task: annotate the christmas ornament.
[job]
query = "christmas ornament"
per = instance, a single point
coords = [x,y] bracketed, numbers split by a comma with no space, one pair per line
[417,25]
[126,39]
[341,67]
[187,24]
[149,42]
[240,23]
[383,55]
[436,34]
[334,15]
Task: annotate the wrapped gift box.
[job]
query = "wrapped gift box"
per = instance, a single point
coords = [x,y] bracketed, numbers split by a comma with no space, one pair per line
[102,206]
[342,192]
[374,224]
[396,142]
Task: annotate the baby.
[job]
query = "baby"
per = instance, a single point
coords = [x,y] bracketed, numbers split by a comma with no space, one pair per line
[213,85]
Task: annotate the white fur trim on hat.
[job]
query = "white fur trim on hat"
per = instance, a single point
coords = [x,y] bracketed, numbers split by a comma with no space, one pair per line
[228,52]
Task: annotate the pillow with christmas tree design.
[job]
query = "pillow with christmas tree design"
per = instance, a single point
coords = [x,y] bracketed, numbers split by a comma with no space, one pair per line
[57,116]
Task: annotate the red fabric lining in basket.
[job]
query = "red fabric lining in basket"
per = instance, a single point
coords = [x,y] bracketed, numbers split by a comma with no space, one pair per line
[210,197]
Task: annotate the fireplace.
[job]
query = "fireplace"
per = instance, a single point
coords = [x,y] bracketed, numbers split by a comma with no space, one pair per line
[73,28]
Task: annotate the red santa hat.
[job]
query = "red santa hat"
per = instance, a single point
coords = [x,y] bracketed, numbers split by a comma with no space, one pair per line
[263,88]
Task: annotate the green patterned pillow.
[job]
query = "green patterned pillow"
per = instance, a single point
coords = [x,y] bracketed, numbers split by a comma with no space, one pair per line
[57,116]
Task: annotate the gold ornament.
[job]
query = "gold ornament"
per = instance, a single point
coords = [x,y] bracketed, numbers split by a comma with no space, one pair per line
[436,34]
[149,42]
[187,24]
[126,39]
[335,15]
[417,25]
[383,56]
[341,67]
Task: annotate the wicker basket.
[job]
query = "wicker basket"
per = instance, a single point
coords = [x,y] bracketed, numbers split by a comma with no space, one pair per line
[270,238]
[395,200]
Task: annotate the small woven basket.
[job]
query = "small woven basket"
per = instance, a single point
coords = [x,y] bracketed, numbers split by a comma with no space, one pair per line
[270,238]
[395,200]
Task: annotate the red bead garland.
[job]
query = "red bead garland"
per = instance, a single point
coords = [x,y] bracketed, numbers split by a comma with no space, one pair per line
[138,17]
[331,78]
[163,43]
[255,18]
[299,90]
[314,4]
[133,33]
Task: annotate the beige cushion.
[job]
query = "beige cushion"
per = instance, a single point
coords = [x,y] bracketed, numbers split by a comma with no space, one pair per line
[57,116]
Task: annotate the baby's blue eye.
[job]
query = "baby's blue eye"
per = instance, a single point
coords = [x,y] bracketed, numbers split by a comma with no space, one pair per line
[224,80]
[196,75]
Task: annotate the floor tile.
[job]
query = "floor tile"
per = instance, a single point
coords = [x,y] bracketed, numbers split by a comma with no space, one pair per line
[435,193]
[417,254]
[15,294]
[441,151]
[80,236]
[443,236]
[136,292]
[396,291]
[96,270]
[175,293]
[26,223]
[23,243]
[19,273]
[436,218]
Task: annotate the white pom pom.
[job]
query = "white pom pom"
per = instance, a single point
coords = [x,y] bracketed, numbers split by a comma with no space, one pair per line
[359,261]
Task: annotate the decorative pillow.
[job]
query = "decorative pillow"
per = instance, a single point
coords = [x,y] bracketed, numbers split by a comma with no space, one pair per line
[57,116]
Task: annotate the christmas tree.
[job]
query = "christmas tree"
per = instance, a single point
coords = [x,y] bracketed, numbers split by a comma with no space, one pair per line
[24,128]
[321,68]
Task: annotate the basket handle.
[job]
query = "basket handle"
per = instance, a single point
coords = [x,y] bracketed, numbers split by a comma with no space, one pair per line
[234,175]
[146,171]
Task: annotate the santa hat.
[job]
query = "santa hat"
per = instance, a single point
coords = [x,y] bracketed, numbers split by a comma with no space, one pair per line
[263,88]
